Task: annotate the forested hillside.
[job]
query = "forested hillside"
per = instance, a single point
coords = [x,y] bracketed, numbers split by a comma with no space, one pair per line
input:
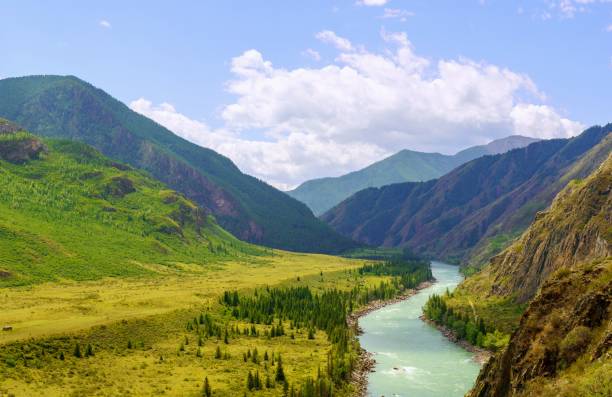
[404,166]
[476,210]
[66,107]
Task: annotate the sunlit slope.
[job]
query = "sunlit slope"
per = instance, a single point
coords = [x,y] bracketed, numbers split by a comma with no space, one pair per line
[67,212]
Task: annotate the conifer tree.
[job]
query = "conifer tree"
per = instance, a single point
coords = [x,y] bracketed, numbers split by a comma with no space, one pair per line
[206,391]
[280,373]
[77,351]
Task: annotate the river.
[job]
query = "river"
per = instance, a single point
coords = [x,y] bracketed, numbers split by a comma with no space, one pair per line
[413,359]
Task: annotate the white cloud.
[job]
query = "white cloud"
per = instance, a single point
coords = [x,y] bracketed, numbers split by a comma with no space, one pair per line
[104,24]
[310,53]
[609,28]
[402,15]
[327,36]
[372,3]
[364,106]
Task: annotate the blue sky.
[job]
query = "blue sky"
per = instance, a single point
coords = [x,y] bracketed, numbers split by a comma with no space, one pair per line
[294,90]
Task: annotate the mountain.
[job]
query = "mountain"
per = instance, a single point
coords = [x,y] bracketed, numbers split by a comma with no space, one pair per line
[68,212]
[66,107]
[562,266]
[475,210]
[405,166]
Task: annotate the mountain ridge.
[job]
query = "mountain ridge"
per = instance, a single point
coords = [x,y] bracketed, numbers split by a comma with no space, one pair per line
[67,107]
[404,166]
[486,198]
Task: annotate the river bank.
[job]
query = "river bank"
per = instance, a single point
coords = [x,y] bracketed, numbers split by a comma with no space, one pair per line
[366,361]
[480,355]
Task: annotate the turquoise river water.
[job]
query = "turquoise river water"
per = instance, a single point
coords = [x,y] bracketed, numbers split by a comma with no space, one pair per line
[413,359]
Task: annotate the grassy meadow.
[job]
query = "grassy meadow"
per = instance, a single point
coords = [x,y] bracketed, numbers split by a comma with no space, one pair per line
[50,319]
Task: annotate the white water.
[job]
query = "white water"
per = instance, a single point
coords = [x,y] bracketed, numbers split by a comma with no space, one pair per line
[413,359]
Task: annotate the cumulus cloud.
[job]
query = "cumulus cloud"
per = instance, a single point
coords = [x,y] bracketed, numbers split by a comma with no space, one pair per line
[105,24]
[362,107]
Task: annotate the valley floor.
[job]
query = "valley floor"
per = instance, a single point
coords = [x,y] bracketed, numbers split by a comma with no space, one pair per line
[137,328]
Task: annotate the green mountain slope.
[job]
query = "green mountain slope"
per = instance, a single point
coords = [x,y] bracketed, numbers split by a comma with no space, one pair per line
[562,265]
[66,107]
[67,212]
[477,208]
[405,166]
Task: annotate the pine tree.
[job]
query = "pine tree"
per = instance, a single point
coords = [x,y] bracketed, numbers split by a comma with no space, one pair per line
[280,373]
[129,345]
[206,391]
[88,351]
[77,351]
[218,353]
[250,384]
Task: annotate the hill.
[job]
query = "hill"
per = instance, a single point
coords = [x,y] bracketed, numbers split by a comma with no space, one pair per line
[476,210]
[67,212]
[404,166]
[66,107]
[561,266]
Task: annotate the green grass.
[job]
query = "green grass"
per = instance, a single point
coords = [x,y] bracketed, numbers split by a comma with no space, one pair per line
[66,217]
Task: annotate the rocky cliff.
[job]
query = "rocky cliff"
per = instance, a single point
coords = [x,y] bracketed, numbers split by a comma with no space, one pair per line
[562,265]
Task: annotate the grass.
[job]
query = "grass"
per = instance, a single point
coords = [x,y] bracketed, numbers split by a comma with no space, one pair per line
[77,215]
[152,314]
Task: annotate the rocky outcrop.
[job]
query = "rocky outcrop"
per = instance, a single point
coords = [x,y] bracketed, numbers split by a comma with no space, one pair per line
[17,146]
[569,319]
[575,229]
[562,265]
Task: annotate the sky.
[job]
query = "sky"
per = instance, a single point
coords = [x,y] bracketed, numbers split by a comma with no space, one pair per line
[295,90]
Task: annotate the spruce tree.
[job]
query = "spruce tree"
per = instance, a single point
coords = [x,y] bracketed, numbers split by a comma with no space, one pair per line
[206,391]
[77,351]
[280,373]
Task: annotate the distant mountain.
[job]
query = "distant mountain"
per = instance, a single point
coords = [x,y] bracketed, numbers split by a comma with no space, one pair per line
[68,212]
[562,266]
[405,166]
[66,107]
[475,210]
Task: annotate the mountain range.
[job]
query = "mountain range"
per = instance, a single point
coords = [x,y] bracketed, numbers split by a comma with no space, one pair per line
[67,107]
[476,210]
[404,166]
